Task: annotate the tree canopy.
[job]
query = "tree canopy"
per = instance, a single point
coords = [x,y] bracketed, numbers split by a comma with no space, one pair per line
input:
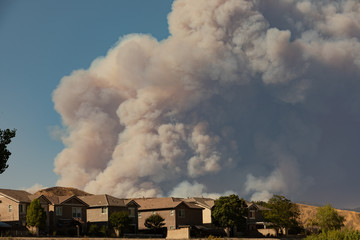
[36,216]
[120,220]
[5,139]
[327,218]
[230,211]
[154,222]
[282,214]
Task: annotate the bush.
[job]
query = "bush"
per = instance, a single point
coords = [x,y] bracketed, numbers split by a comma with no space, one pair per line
[336,235]
[94,230]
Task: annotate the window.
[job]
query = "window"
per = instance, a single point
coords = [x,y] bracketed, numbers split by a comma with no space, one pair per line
[131,212]
[171,212]
[139,214]
[103,210]
[10,208]
[59,211]
[252,214]
[182,213]
[76,212]
[21,208]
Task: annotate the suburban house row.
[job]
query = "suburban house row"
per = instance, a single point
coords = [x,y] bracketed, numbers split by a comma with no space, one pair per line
[78,212]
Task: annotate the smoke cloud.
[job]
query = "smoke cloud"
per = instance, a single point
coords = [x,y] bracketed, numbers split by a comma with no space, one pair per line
[253,97]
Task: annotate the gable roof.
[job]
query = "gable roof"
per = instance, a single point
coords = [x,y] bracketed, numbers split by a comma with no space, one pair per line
[57,200]
[103,200]
[162,203]
[16,195]
[259,207]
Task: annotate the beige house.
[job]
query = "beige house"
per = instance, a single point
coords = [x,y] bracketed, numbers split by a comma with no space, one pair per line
[206,203]
[102,206]
[13,206]
[176,212]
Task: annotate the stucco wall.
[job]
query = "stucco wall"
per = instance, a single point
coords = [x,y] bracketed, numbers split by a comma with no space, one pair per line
[192,216]
[166,214]
[96,215]
[207,215]
[14,215]
[183,233]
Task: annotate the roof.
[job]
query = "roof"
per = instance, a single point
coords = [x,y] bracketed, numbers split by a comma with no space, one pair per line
[262,208]
[56,200]
[16,195]
[162,203]
[204,202]
[104,200]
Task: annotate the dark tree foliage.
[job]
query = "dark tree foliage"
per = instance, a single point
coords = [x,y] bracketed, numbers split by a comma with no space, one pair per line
[283,213]
[120,220]
[230,211]
[36,216]
[154,222]
[5,139]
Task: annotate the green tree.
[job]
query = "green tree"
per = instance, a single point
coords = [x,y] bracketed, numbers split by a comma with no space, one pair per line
[5,139]
[120,221]
[230,211]
[154,222]
[327,218]
[283,214]
[35,217]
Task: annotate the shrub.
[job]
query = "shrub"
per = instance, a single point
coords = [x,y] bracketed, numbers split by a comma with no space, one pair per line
[345,234]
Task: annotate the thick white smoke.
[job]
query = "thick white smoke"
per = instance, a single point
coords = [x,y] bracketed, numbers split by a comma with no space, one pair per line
[233,99]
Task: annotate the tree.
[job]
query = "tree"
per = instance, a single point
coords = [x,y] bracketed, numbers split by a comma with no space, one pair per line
[35,217]
[119,221]
[154,222]
[230,211]
[327,218]
[5,139]
[283,214]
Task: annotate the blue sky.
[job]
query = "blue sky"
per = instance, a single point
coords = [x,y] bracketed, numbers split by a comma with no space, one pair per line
[43,41]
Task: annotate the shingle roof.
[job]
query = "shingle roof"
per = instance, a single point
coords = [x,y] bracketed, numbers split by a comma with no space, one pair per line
[162,203]
[204,202]
[55,200]
[103,200]
[16,195]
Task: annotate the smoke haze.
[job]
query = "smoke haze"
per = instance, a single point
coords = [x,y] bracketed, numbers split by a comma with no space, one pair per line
[252,97]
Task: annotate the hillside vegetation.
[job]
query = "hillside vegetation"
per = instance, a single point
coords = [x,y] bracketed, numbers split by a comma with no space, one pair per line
[352,219]
[62,191]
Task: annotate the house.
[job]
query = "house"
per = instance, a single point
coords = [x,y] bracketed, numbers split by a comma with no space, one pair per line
[176,212]
[102,206]
[255,219]
[13,205]
[67,214]
[206,203]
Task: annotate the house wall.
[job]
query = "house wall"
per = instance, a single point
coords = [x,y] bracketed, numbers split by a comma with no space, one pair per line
[170,218]
[67,212]
[183,233]
[15,216]
[206,215]
[95,215]
[193,216]
[5,215]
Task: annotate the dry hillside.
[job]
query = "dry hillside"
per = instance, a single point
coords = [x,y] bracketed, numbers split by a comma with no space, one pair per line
[352,219]
[61,191]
